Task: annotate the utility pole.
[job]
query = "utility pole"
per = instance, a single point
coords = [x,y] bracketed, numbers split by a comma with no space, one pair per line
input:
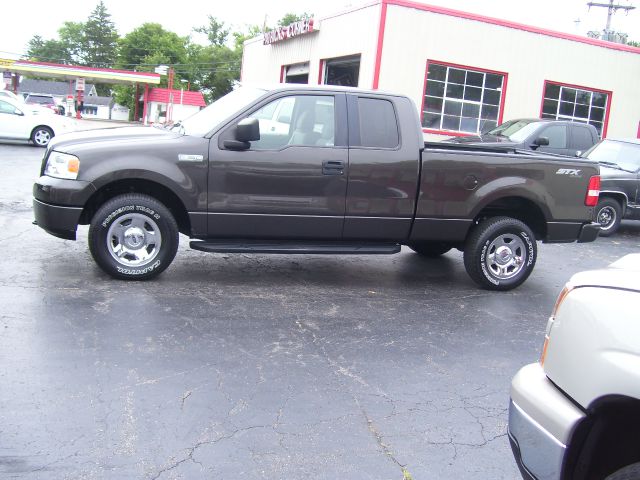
[608,33]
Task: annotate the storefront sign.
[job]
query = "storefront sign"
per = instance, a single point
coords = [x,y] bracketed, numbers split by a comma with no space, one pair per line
[80,84]
[290,31]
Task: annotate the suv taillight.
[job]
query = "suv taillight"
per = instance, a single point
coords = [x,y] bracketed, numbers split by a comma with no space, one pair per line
[593,191]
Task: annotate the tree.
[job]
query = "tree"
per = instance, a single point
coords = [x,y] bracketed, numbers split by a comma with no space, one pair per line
[633,43]
[100,38]
[215,31]
[47,50]
[290,18]
[144,49]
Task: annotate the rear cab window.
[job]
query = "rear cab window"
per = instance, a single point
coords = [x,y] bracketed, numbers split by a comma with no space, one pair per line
[378,124]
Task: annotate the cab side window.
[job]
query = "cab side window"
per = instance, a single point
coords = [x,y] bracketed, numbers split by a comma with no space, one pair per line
[557,135]
[298,120]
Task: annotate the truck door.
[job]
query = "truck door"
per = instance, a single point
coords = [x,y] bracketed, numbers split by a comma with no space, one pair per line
[383,167]
[291,183]
[558,141]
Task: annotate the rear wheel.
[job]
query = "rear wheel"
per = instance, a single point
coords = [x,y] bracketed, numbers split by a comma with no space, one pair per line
[608,215]
[41,136]
[500,253]
[430,249]
[133,237]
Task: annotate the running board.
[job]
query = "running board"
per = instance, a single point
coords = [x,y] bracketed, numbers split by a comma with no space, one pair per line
[299,247]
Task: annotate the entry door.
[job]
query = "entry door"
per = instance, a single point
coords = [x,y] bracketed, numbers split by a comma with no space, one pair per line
[291,183]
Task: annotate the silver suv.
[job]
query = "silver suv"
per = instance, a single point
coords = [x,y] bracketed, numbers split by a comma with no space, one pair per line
[576,413]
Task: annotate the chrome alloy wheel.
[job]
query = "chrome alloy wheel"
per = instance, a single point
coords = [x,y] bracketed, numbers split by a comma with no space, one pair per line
[506,256]
[134,240]
[606,217]
[42,137]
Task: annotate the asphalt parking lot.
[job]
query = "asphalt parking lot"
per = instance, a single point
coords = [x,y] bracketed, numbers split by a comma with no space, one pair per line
[260,367]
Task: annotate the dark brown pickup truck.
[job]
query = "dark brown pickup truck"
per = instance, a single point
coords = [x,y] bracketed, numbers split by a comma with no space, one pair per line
[310,170]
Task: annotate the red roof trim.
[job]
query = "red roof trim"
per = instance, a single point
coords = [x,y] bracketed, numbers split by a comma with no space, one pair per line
[514,25]
[89,69]
[381,26]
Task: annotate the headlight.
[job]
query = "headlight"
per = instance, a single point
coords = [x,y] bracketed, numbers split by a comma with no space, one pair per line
[62,165]
[547,334]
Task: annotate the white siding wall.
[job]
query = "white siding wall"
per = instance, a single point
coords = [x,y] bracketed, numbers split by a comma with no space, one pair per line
[413,36]
[341,35]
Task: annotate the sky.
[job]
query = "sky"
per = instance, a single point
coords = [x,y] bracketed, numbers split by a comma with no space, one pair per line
[569,16]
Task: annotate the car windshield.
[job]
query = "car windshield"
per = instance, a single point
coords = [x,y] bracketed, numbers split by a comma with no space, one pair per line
[625,155]
[210,117]
[515,130]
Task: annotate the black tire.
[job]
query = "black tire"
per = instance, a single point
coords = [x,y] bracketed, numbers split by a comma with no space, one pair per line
[430,249]
[500,253]
[608,214]
[133,237]
[41,136]
[630,472]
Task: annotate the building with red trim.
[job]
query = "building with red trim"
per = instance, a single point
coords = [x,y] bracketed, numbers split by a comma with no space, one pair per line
[172,105]
[465,72]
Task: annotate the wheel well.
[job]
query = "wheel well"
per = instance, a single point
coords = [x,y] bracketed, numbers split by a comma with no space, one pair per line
[607,441]
[41,126]
[155,190]
[520,208]
[618,197]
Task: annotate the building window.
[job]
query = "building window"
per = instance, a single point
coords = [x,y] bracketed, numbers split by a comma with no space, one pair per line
[298,73]
[342,71]
[461,99]
[578,104]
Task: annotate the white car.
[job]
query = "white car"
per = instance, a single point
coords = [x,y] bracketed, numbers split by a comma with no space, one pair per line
[576,413]
[11,96]
[19,121]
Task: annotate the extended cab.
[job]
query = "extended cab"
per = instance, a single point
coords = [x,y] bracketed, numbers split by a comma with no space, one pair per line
[350,174]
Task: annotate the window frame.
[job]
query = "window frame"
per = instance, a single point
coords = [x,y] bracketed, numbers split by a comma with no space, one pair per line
[454,133]
[608,93]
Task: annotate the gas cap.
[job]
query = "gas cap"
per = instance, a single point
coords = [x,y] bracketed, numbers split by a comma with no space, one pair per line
[470,182]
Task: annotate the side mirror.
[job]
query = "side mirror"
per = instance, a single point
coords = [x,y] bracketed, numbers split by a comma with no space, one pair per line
[579,153]
[541,141]
[18,112]
[248,130]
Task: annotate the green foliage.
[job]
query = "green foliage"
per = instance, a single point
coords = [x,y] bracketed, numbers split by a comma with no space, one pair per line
[47,50]
[633,43]
[215,31]
[290,18]
[100,38]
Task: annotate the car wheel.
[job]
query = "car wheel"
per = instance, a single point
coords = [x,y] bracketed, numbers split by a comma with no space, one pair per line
[41,136]
[608,215]
[500,253]
[430,249]
[133,237]
[630,472]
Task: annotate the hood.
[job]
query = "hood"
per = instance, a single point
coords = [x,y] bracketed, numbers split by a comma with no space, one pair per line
[483,139]
[70,142]
[623,273]
[607,172]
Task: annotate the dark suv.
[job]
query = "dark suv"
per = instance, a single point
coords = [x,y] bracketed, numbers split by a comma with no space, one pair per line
[550,136]
[620,180]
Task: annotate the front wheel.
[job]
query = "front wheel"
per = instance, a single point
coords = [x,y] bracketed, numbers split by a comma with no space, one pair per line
[41,136]
[133,237]
[500,253]
[608,215]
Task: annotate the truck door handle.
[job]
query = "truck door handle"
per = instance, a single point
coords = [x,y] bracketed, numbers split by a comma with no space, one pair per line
[333,167]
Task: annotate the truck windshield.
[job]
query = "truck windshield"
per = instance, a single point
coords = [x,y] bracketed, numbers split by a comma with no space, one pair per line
[210,117]
[515,130]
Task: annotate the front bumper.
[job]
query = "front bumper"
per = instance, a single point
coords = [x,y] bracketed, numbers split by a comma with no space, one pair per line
[541,422]
[55,204]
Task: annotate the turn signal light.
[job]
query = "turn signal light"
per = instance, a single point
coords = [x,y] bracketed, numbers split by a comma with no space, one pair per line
[593,191]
